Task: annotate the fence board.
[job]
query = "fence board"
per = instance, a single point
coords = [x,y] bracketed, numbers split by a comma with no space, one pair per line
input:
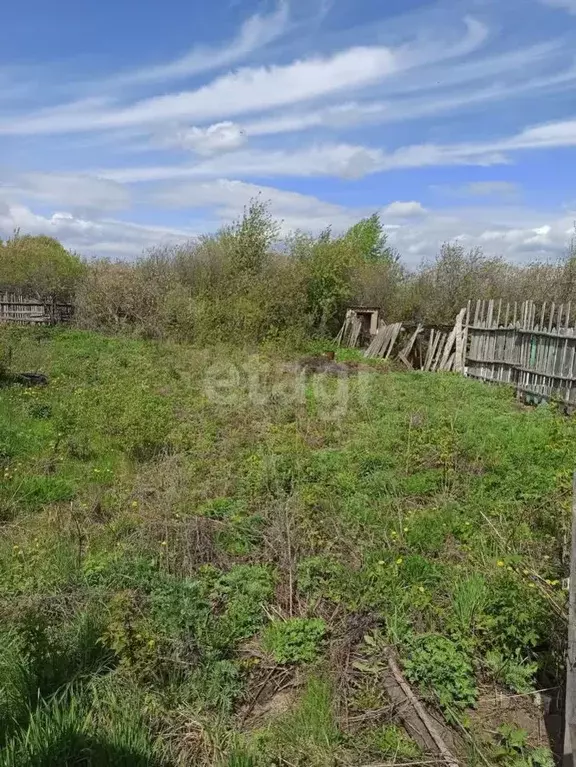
[24,310]
[536,351]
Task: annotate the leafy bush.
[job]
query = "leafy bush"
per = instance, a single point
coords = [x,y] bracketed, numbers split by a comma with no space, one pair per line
[295,640]
[440,668]
[512,749]
[39,266]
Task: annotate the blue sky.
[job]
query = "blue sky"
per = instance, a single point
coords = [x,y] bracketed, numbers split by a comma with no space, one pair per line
[126,124]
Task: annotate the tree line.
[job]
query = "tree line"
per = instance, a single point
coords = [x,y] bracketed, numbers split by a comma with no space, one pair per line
[246,283]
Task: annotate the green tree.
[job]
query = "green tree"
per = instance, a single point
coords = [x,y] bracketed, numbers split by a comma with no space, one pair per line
[251,237]
[39,266]
[370,240]
[329,265]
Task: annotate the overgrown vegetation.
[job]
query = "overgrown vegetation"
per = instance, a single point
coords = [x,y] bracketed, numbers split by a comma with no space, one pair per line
[249,283]
[193,578]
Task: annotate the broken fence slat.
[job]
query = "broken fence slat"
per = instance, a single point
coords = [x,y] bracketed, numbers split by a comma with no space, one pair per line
[396,329]
[403,353]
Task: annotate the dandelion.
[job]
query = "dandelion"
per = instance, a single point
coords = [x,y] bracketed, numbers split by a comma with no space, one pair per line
[381,562]
[164,543]
[421,588]
[531,586]
[405,529]
[134,504]
[399,561]
[500,563]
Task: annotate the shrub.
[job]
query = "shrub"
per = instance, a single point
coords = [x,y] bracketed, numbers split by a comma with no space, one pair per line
[296,640]
[40,266]
[440,668]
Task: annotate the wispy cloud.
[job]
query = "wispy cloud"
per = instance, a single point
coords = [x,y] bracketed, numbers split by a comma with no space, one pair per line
[103,237]
[490,188]
[353,161]
[567,5]
[251,89]
[255,33]
[72,190]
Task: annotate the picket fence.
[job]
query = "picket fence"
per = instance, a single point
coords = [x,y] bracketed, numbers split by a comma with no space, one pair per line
[24,310]
[531,347]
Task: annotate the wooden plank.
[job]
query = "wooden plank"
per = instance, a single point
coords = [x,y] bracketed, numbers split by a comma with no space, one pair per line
[459,361]
[447,349]
[437,341]
[427,359]
[395,332]
[404,353]
[439,351]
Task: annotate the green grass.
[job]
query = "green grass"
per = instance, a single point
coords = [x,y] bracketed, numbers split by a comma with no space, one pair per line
[183,554]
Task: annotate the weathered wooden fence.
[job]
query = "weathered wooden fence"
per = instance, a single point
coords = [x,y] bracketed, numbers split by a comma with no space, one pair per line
[527,346]
[23,310]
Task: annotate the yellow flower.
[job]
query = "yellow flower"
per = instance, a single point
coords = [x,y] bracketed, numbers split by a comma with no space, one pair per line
[164,543]
[134,504]
[381,562]
[500,563]
[531,586]
[399,561]
[405,529]
[421,588]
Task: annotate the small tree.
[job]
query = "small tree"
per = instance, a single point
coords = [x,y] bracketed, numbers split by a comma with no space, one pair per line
[39,266]
[250,238]
[371,242]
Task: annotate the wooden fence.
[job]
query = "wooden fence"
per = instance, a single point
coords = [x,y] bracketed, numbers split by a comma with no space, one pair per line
[23,310]
[417,347]
[527,346]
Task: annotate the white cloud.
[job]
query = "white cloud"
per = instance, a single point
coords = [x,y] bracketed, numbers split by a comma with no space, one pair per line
[256,32]
[518,234]
[353,161]
[567,5]
[552,134]
[490,188]
[253,89]
[295,210]
[399,209]
[344,160]
[352,113]
[341,160]
[244,91]
[106,237]
[220,137]
[79,191]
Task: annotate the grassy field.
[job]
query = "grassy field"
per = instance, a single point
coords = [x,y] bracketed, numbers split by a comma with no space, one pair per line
[204,559]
